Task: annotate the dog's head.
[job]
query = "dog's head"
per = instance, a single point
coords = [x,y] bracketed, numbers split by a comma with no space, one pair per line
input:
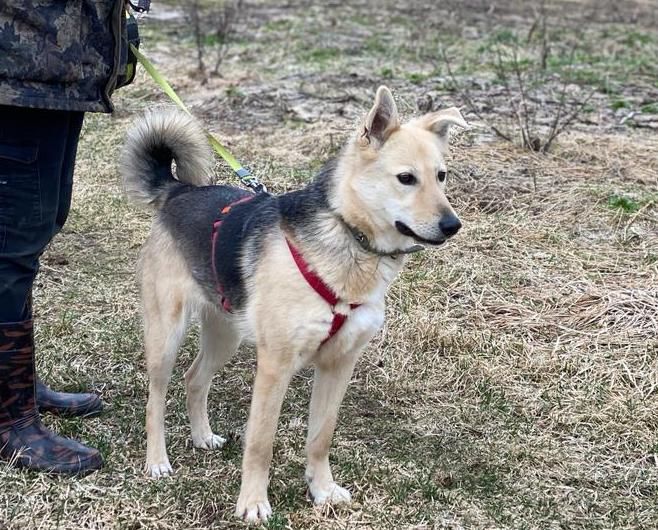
[393,177]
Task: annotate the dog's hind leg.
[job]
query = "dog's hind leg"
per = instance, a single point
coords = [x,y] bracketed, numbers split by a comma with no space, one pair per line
[218,343]
[165,323]
[163,336]
[329,386]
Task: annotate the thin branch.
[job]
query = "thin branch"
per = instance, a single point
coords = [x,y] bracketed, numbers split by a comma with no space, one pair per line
[525,127]
[520,87]
[565,124]
[465,94]
[500,70]
[193,16]
[227,18]
[562,104]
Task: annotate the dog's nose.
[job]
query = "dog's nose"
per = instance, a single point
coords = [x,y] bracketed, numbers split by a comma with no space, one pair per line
[450,225]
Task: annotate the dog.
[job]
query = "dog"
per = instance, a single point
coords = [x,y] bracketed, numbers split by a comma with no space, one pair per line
[301,275]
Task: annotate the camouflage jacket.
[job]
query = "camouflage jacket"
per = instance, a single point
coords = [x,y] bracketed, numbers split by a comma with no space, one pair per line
[61,54]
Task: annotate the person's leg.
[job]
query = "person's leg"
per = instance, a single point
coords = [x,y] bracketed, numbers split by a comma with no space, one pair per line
[48,400]
[29,181]
[32,155]
[68,165]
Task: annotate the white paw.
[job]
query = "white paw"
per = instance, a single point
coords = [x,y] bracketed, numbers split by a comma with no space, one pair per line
[159,470]
[332,493]
[254,511]
[213,441]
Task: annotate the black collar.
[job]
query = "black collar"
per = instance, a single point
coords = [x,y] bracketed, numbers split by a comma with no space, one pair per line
[365,244]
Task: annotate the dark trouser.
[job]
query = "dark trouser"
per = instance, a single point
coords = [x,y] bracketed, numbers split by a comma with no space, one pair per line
[37,155]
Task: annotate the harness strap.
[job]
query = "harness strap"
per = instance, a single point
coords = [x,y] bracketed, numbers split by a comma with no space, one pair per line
[226,303]
[319,286]
[313,279]
[325,292]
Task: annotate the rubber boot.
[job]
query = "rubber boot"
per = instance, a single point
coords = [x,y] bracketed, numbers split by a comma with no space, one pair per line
[24,440]
[67,404]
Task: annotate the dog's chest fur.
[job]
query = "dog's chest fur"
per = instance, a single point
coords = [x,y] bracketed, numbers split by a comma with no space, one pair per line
[357,277]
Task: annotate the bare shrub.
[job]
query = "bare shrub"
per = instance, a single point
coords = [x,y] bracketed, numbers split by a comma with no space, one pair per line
[531,89]
[213,27]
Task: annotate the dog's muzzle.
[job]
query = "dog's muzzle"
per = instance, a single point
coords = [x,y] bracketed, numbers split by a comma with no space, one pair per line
[449,225]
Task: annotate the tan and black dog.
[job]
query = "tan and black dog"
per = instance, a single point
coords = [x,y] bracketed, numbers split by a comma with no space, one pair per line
[301,275]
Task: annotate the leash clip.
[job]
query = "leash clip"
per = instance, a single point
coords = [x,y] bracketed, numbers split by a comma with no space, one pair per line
[250,180]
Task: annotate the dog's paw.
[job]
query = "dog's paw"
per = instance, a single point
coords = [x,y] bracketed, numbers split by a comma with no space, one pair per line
[160,470]
[330,493]
[253,511]
[214,441]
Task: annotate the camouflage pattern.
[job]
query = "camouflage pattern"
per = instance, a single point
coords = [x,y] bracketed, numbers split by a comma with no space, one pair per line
[63,55]
[67,404]
[24,441]
[16,374]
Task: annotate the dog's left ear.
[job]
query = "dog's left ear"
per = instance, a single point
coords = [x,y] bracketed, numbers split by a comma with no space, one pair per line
[382,120]
[440,122]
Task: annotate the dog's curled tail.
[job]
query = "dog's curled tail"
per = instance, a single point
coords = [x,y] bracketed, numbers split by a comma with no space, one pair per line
[157,139]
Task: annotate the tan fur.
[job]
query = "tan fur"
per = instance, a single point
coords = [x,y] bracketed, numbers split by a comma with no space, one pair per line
[419,145]
[284,316]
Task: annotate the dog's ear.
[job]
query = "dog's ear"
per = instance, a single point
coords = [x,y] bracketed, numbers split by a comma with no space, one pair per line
[440,122]
[382,119]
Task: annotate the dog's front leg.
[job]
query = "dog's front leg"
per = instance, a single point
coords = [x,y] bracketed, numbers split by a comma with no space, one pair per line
[329,386]
[272,378]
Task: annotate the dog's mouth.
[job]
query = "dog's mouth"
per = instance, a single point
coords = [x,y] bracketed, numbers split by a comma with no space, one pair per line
[406,231]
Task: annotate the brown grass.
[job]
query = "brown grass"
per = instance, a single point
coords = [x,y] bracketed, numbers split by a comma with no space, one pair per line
[515,383]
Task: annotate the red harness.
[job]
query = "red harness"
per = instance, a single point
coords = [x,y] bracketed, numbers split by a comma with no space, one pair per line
[322,289]
[325,292]
[226,303]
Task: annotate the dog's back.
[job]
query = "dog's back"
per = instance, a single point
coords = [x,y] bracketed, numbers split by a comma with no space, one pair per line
[187,204]
[192,215]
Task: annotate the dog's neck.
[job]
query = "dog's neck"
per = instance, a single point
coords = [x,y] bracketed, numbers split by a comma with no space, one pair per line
[364,242]
[331,247]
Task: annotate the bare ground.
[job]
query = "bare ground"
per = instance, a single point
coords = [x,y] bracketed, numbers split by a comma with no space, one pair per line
[515,384]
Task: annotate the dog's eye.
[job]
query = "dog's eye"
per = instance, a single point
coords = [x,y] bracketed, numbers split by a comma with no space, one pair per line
[441,176]
[407,179]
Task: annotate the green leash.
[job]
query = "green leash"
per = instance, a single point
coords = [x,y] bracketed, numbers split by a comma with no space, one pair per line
[243,174]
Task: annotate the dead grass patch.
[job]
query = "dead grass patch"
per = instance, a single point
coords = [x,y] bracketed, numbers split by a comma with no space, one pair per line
[515,382]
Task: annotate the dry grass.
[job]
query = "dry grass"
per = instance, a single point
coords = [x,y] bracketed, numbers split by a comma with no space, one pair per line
[515,384]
